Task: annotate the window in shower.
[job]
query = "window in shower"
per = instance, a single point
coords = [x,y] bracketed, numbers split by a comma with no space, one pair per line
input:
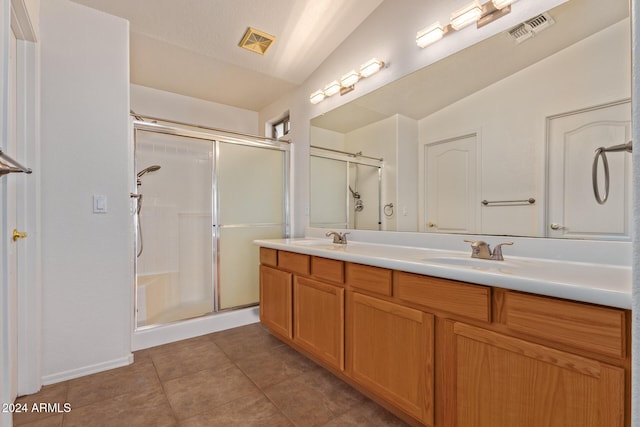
[201,201]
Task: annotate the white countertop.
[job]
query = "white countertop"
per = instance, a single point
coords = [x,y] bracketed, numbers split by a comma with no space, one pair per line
[603,284]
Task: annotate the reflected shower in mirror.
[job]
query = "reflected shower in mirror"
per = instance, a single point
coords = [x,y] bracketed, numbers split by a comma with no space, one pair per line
[503,120]
[349,195]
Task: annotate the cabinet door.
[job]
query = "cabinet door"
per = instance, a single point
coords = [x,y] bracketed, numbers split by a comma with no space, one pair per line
[319,320]
[504,381]
[275,300]
[391,353]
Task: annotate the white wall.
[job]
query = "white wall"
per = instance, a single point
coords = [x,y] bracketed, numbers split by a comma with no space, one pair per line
[405,209]
[87,270]
[171,106]
[510,117]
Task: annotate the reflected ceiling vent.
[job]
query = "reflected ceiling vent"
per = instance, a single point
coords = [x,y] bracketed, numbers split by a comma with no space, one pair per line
[530,28]
[257,41]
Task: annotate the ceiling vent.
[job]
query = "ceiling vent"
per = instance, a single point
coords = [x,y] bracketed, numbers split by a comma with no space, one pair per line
[257,41]
[530,28]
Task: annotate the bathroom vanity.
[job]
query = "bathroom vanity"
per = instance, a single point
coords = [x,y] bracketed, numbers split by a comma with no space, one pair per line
[444,340]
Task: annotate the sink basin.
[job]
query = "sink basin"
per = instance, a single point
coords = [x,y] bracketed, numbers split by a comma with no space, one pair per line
[477,263]
[320,244]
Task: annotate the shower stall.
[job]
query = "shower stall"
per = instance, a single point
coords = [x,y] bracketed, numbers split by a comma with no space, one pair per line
[346,190]
[202,197]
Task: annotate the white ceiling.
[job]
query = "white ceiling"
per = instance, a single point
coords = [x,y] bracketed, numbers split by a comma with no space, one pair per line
[191,46]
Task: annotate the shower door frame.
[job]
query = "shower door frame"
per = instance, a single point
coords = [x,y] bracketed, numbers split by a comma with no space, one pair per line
[215,137]
[356,159]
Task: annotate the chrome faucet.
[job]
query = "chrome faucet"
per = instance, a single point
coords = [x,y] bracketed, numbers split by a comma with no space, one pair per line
[339,238]
[481,249]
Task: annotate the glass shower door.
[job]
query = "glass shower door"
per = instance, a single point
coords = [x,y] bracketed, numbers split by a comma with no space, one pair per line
[251,198]
[174,269]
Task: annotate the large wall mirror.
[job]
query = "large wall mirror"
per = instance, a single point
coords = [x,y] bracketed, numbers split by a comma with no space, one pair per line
[498,138]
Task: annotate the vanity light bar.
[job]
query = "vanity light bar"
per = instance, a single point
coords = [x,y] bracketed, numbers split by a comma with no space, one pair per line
[466,16]
[350,78]
[499,4]
[430,35]
[332,88]
[347,82]
[371,67]
[470,14]
[316,97]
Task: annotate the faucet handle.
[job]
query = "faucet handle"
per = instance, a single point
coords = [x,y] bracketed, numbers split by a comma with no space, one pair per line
[497,251]
[343,236]
[479,249]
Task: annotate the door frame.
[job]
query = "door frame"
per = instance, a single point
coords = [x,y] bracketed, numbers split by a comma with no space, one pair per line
[28,198]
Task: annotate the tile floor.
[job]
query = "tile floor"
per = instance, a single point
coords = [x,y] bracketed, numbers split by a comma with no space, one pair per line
[240,377]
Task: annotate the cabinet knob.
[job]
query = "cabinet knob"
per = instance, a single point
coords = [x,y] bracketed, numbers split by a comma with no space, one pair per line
[431,224]
[555,226]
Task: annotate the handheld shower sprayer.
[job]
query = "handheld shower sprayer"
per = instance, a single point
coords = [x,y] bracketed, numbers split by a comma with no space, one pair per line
[151,168]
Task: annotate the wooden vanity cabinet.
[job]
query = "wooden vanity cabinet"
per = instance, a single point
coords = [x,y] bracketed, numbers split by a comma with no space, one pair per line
[502,381]
[276,300]
[318,318]
[444,353]
[391,351]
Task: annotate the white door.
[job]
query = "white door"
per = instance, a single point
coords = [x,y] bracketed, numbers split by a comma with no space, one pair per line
[451,185]
[9,257]
[573,211]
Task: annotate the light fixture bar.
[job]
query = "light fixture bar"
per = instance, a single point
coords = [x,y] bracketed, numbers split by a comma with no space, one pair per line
[347,83]
[431,34]
[316,97]
[350,79]
[332,88]
[499,4]
[466,16]
[371,67]
[490,13]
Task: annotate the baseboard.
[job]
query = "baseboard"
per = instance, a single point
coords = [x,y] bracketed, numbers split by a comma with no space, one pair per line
[87,370]
[162,334]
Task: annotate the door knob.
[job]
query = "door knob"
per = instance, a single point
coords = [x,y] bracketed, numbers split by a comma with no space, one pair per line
[18,234]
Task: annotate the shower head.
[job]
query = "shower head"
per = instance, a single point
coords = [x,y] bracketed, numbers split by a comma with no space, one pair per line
[355,194]
[151,168]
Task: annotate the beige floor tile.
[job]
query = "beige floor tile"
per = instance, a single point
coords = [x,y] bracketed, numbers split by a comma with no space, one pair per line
[187,359]
[239,343]
[314,398]
[138,409]
[53,394]
[367,414]
[48,421]
[241,377]
[273,366]
[196,393]
[253,410]
[138,377]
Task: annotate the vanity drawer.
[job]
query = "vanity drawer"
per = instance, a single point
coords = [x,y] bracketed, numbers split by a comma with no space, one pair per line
[327,269]
[373,279]
[472,301]
[583,326]
[269,257]
[294,262]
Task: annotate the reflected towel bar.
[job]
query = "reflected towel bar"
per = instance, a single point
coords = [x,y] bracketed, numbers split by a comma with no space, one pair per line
[526,202]
[9,165]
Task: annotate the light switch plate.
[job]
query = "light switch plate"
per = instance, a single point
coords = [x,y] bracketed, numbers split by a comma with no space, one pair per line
[99,203]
